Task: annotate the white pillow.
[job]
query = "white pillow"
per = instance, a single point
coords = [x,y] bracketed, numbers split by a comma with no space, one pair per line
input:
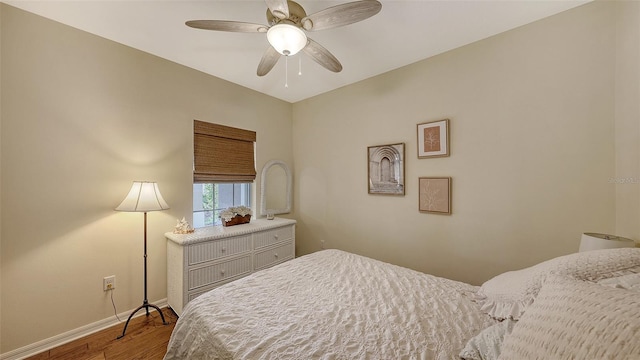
[629,282]
[487,344]
[574,319]
[508,294]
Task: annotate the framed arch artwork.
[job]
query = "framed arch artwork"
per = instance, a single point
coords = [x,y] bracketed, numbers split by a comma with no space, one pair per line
[386,169]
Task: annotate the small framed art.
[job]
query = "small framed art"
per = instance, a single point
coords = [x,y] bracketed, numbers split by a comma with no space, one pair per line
[386,169]
[433,139]
[434,195]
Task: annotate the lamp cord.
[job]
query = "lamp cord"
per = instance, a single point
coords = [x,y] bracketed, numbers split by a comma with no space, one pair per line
[114,306]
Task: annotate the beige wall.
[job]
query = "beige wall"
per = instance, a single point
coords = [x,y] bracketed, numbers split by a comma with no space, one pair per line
[82,117]
[532,130]
[627,115]
[0,177]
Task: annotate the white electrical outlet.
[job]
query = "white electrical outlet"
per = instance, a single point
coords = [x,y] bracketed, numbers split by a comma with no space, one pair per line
[322,246]
[109,283]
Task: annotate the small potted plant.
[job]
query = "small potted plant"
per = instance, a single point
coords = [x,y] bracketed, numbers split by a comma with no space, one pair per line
[235,215]
[244,213]
[228,217]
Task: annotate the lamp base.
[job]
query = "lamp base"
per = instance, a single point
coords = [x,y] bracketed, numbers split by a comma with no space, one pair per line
[145,305]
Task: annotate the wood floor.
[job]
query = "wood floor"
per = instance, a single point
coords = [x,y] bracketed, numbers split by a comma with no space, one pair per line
[146,339]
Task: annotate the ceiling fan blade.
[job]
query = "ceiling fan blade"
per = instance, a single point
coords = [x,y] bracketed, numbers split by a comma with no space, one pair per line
[225,25]
[322,56]
[341,15]
[279,8]
[268,61]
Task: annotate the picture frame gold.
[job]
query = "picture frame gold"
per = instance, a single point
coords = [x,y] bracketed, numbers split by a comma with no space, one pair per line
[433,139]
[386,169]
[434,195]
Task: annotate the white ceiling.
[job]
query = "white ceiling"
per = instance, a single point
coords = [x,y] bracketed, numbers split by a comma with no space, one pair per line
[402,33]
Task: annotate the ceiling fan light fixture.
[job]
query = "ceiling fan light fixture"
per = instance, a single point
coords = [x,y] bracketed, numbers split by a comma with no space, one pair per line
[286,39]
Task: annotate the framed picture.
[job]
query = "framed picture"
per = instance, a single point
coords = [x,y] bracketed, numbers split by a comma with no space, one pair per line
[386,169]
[433,139]
[434,195]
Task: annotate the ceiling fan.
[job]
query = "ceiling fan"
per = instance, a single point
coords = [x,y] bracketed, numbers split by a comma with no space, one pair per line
[287,20]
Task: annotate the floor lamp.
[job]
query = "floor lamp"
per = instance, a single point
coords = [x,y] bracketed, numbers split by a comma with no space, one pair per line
[144,196]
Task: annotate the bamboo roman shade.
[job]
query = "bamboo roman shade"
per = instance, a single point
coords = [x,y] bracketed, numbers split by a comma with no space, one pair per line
[222,153]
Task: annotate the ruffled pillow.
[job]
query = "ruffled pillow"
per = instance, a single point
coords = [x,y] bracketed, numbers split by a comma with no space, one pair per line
[508,295]
[574,319]
[487,344]
[628,282]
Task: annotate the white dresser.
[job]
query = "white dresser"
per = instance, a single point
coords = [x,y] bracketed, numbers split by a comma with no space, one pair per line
[212,256]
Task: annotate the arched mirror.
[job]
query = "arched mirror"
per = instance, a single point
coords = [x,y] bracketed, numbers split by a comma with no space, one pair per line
[275,188]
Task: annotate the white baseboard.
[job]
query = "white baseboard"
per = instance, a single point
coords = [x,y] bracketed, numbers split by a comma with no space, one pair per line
[71,335]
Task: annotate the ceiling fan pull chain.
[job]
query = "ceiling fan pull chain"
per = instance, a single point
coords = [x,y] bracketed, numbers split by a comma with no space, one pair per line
[286,71]
[299,65]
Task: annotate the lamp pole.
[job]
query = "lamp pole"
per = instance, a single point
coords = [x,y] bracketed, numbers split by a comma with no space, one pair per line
[145,303]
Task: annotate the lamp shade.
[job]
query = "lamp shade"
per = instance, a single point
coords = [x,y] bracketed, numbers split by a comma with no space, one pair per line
[595,241]
[144,196]
[286,39]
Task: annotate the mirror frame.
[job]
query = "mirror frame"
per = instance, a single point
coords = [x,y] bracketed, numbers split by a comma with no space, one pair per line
[263,188]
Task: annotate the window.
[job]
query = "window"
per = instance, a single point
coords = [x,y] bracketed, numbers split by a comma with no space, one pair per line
[223,170]
[211,198]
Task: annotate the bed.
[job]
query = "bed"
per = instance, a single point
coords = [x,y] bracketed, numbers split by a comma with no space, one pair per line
[337,305]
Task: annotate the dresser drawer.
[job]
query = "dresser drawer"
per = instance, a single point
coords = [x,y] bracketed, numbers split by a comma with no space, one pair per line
[270,237]
[213,256]
[195,294]
[205,289]
[217,249]
[275,255]
[214,273]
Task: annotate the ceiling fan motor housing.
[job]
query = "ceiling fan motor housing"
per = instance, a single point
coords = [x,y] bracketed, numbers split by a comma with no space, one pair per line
[296,14]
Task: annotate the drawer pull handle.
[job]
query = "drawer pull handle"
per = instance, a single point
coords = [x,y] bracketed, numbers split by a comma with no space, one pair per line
[276,255]
[223,249]
[275,236]
[222,272]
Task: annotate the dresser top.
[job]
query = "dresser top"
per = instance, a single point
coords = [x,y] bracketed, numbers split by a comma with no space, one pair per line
[221,232]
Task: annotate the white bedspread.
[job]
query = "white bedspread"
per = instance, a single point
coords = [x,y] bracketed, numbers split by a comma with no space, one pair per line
[330,305]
